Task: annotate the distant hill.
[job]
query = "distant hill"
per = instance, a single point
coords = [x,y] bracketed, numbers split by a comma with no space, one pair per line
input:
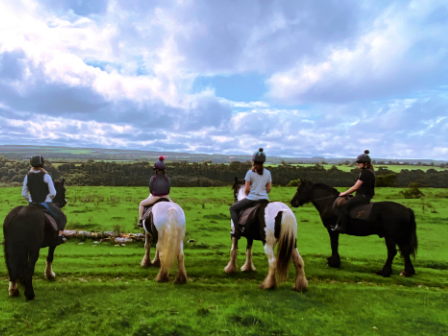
[73,154]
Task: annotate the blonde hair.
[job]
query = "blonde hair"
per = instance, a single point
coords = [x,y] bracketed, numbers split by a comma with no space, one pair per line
[41,169]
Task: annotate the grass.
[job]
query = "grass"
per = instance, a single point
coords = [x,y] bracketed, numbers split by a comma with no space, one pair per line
[102,290]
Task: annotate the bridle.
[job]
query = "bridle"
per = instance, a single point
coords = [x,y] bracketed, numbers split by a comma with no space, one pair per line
[319,199]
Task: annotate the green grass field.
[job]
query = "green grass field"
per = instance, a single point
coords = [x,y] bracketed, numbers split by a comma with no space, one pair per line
[346,168]
[100,289]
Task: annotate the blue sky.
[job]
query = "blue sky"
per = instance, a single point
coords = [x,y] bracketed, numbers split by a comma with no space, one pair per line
[309,78]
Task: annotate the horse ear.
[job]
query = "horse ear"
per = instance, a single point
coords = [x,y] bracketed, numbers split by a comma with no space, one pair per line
[236,179]
[63,181]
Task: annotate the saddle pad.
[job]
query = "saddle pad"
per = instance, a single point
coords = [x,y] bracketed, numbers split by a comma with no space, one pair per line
[52,221]
[246,214]
[361,211]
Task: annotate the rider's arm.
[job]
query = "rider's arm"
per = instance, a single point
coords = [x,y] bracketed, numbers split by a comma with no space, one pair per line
[352,189]
[51,189]
[268,187]
[247,187]
[25,189]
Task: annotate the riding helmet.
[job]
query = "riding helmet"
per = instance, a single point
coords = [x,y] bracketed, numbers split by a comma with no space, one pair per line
[363,158]
[259,157]
[159,164]
[37,161]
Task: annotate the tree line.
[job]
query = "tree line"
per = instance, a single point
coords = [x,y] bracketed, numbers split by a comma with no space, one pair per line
[184,174]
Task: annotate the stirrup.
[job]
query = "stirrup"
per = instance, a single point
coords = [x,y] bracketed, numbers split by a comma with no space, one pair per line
[140,223]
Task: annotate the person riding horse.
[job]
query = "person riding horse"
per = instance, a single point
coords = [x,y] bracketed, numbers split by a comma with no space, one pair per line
[365,190]
[159,187]
[258,185]
[38,189]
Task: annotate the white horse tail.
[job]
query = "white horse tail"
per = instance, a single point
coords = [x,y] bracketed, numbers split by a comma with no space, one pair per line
[286,243]
[171,237]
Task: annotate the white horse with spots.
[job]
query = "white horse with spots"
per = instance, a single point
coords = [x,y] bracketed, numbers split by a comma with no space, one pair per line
[169,231]
[279,221]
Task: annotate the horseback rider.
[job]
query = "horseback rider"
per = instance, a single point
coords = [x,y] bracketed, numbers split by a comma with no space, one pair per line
[258,185]
[159,187]
[38,189]
[365,190]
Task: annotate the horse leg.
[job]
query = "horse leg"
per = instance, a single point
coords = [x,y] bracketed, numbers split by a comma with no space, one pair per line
[231,266]
[248,265]
[335,259]
[301,282]
[29,291]
[156,260]
[270,281]
[408,267]
[49,274]
[391,253]
[146,261]
[13,289]
[181,277]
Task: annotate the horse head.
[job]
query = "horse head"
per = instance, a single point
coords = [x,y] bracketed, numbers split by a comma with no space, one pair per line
[302,195]
[59,200]
[236,186]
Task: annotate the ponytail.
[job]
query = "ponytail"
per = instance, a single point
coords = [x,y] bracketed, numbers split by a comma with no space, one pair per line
[41,169]
[258,167]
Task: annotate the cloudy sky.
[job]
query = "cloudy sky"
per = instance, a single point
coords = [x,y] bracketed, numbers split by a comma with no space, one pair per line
[299,78]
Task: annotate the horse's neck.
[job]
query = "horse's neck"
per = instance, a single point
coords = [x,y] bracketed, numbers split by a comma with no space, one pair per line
[322,199]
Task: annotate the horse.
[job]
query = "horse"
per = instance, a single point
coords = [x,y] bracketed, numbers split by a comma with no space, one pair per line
[276,224]
[169,226]
[26,231]
[393,221]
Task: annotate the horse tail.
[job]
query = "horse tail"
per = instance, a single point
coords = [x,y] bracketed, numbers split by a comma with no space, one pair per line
[171,239]
[413,234]
[16,252]
[286,243]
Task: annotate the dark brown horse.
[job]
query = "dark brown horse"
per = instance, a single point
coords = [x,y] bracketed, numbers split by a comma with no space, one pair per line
[393,221]
[26,231]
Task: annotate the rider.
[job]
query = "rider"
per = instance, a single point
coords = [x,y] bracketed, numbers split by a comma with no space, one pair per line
[38,189]
[159,187]
[365,190]
[258,185]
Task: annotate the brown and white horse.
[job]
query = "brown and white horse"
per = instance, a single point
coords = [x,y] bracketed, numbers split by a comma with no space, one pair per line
[280,227]
[169,221]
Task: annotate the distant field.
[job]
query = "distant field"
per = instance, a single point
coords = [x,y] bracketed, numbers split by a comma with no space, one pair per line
[102,290]
[394,168]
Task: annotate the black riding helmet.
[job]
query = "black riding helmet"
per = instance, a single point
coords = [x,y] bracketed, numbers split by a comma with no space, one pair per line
[37,161]
[259,157]
[159,164]
[363,158]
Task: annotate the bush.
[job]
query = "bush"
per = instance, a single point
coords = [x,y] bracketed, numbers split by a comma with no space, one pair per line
[388,180]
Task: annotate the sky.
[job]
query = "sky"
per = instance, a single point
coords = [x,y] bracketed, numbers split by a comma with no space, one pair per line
[298,78]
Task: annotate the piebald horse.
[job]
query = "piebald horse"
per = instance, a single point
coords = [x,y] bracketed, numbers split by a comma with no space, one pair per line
[169,221]
[280,226]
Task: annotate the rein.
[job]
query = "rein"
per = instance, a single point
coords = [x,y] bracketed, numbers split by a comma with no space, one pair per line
[319,199]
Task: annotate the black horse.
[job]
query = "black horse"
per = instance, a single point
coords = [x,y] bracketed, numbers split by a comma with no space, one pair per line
[393,221]
[26,231]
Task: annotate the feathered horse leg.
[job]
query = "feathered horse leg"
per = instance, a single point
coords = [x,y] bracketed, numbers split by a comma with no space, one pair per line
[231,266]
[248,265]
[301,283]
[270,281]
[146,261]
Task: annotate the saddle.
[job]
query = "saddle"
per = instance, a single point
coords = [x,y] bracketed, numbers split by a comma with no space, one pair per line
[148,221]
[50,221]
[248,218]
[361,212]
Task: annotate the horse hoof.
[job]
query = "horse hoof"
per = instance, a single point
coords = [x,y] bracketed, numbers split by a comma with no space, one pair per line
[30,298]
[229,269]
[146,264]
[180,280]
[384,273]
[14,292]
[406,274]
[162,278]
[50,276]
[248,269]
[156,263]
[299,289]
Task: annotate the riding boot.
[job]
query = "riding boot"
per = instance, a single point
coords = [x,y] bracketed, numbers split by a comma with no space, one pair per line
[341,226]
[140,223]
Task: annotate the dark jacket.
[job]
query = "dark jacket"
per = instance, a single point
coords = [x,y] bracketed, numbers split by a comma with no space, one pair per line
[159,185]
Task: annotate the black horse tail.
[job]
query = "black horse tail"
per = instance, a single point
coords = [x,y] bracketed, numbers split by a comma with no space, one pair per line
[413,243]
[16,253]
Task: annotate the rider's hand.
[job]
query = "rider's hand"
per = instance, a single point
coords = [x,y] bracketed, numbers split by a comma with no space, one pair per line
[342,194]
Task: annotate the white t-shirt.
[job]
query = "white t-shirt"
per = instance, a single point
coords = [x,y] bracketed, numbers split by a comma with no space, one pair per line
[258,184]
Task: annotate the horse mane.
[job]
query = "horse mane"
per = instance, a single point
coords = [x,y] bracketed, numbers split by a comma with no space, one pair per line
[236,183]
[326,187]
